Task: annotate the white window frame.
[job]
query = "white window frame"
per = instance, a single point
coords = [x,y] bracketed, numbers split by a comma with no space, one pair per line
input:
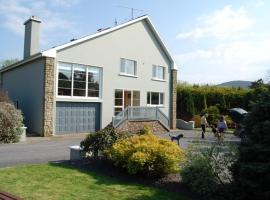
[159,94]
[72,82]
[125,73]
[123,106]
[154,67]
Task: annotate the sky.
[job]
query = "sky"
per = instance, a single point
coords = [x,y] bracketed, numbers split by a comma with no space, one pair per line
[211,41]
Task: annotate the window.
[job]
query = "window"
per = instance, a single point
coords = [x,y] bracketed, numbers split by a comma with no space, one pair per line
[93,81]
[118,101]
[158,72]
[76,80]
[124,98]
[79,80]
[128,67]
[64,79]
[155,98]
[136,98]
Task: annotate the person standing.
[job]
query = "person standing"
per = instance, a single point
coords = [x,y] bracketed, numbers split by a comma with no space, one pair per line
[222,125]
[204,123]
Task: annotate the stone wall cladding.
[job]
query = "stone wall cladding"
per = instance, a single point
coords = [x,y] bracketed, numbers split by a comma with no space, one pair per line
[136,126]
[48,100]
[173,99]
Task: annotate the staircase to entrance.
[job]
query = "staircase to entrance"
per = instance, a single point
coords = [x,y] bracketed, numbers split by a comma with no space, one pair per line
[141,114]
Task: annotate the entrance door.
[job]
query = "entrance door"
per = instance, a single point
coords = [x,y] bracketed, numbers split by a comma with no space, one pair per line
[127,98]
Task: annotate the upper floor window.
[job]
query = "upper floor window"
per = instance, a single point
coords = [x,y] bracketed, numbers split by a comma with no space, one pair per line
[79,80]
[76,80]
[158,72]
[64,79]
[128,67]
[155,98]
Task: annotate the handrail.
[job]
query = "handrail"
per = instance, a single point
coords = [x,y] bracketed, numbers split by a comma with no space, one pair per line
[119,118]
[140,113]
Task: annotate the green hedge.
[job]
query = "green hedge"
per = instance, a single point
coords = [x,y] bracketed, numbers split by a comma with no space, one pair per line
[192,100]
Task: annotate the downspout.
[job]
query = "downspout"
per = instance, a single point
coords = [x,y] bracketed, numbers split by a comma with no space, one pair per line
[173,94]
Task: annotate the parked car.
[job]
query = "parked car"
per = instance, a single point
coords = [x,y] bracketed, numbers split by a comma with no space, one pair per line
[238,115]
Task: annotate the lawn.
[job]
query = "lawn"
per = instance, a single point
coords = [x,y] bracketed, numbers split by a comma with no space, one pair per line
[58,181]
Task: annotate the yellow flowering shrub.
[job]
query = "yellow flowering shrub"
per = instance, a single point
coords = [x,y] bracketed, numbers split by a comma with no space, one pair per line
[147,154]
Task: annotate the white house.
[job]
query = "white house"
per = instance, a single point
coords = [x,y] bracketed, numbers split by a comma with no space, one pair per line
[119,74]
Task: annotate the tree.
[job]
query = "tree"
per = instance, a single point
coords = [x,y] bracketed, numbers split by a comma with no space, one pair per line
[204,102]
[8,62]
[267,78]
[190,104]
[257,84]
[252,169]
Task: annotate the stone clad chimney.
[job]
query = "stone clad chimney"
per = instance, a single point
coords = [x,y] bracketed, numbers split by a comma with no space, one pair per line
[31,36]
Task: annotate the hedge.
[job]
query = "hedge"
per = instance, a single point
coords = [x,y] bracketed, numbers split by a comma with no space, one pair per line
[192,100]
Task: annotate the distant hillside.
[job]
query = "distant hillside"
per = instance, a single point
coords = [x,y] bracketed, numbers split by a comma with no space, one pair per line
[242,84]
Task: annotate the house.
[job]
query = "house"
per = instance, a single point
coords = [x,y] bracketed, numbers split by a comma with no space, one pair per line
[120,74]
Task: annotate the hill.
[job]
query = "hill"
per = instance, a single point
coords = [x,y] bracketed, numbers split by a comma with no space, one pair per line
[236,84]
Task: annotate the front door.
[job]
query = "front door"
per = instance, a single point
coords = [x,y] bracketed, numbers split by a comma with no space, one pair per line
[125,98]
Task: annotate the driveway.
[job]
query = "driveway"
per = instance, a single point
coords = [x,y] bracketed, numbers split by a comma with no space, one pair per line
[190,136]
[38,150]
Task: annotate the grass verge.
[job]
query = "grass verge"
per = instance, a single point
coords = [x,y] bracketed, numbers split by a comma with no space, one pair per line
[58,181]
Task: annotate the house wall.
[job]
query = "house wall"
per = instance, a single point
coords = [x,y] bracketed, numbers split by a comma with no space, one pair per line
[135,42]
[24,86]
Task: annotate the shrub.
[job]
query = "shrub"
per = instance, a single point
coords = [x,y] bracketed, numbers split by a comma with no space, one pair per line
[147,155]
[252,170]
[229,121]
[3,96]
[213,114]
[205,96]
[11,121]
[208,167]
[100,141]
[146,130]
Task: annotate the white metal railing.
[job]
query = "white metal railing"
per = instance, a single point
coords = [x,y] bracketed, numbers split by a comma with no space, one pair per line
[138,113]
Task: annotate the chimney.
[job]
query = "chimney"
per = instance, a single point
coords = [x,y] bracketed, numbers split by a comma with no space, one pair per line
[31,36]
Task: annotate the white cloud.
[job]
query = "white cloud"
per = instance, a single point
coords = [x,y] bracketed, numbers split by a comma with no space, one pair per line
[15,12]
[221,24]
[14,23]
[66,3]
[197,54]
[231,61]
[259,3]
[235,52]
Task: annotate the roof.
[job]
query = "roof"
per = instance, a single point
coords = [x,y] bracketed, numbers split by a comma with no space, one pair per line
[52,52]
[21,62]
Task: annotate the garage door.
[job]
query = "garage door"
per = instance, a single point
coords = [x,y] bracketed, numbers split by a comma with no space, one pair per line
[74,117]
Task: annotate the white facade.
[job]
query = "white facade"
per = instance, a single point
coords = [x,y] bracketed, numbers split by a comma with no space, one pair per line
[135,42]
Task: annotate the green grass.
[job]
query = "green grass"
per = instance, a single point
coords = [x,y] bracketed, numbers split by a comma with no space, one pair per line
[56,181]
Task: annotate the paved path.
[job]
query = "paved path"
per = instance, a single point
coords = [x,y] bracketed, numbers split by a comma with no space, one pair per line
[195,135]
[37,150]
